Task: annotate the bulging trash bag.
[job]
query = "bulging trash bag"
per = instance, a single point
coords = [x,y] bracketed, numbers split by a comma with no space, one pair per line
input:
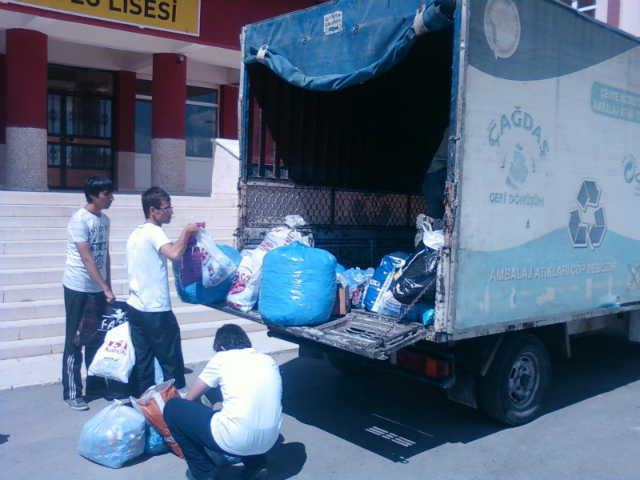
[382,278]
[198,293]
[358,281]
[245,289]
[216,265]
[151,406]
[115,435]
[298,285]
[418,274]
[390,307]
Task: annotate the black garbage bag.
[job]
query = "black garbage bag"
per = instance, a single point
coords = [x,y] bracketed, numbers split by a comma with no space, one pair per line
[421,270]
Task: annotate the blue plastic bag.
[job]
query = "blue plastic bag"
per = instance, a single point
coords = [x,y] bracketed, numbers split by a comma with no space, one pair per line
[358,281]
[198,293]
[298,285]
[115,435]
[154,444]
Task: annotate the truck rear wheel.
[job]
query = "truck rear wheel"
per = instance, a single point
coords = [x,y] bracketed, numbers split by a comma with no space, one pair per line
[515,384]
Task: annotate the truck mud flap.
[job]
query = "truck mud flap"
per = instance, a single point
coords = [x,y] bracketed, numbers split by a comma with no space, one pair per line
[372,336]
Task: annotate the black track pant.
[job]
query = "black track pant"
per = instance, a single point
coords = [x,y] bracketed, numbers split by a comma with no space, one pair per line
[155,334]
[79,306]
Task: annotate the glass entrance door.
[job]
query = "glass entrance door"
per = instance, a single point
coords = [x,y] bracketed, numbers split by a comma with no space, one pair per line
[79,130]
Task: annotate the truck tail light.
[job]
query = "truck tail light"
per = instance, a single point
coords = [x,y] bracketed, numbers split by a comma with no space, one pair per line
[429,366]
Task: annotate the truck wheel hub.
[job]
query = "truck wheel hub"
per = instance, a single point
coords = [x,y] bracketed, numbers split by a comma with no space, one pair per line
[522,380]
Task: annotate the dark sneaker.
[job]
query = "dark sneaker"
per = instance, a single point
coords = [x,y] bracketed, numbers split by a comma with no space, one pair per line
[77,404]
[105,393]
[191,477]
[254,474]
[223,459]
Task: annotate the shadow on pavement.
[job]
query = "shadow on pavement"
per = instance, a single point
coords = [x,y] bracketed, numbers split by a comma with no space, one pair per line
[285,460]
[398,418]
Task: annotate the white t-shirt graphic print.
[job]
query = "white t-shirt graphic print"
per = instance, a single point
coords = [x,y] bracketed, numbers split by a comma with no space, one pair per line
[84,226]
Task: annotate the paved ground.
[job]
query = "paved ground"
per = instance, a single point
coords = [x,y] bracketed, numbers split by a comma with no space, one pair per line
[380,427]
[47,369]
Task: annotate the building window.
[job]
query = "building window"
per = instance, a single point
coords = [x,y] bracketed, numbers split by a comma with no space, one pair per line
[143,116]
[201,122]
[79,124]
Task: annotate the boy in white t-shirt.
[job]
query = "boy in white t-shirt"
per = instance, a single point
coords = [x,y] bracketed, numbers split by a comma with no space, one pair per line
[248,424]
[87,286]
[154,327]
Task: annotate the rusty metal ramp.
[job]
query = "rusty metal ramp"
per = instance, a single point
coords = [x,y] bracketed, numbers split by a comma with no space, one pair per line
[360,332]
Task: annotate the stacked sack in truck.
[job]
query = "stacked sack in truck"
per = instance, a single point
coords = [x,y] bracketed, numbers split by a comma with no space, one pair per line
[205,272]
[357,281]
[298,285]
[405,285]
[245,288]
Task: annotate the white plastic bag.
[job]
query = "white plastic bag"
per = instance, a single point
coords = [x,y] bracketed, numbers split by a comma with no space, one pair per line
[116,357]
[113,436]
[216,266]
[434,239]
[245,288]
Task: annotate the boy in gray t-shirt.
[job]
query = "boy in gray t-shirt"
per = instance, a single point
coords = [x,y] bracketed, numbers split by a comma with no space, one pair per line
[87,288]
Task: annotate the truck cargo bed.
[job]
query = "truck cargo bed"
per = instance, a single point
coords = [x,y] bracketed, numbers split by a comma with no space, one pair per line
[372,336]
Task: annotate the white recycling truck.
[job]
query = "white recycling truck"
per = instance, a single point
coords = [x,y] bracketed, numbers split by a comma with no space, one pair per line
[343,106]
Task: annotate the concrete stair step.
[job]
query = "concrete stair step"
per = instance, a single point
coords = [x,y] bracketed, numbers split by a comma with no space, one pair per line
[60,233]
[29,310]
[26,329]
[77,199]
[55,344]
[28,262]
[207,209]
[47,275]
[50,291]
[221,217]
[53,291]
[16,247]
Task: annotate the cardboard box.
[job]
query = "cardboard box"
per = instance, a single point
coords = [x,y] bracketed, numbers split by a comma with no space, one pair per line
[342,304]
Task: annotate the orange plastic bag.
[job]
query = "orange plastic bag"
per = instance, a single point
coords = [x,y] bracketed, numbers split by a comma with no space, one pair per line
[151,405]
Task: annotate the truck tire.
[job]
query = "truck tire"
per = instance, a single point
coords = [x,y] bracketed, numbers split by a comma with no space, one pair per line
[347,366]
[513,388]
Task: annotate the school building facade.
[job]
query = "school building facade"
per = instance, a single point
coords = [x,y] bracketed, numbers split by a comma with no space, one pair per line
[134,89]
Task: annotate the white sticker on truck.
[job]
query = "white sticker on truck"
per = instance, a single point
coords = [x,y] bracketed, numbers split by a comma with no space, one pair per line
[333,23]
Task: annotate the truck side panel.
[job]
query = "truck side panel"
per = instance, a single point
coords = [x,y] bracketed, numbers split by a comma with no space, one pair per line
[548,212]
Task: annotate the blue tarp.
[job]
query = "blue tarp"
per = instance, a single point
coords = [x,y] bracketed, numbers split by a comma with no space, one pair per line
[344,42]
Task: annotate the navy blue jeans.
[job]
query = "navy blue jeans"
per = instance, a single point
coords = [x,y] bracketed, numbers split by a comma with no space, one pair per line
[190,426]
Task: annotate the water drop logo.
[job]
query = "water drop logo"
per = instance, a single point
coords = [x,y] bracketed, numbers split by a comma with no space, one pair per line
[502,27]
[518,169]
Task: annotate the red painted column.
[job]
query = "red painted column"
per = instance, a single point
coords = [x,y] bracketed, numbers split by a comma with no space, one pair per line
[3,123]
[26,110]
[613,13]
[229,111]
[168,109]
[125,138]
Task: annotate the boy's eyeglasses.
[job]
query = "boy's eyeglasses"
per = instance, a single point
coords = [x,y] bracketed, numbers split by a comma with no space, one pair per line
[166,209]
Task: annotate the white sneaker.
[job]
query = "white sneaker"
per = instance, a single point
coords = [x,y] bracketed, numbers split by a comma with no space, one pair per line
[183,391]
